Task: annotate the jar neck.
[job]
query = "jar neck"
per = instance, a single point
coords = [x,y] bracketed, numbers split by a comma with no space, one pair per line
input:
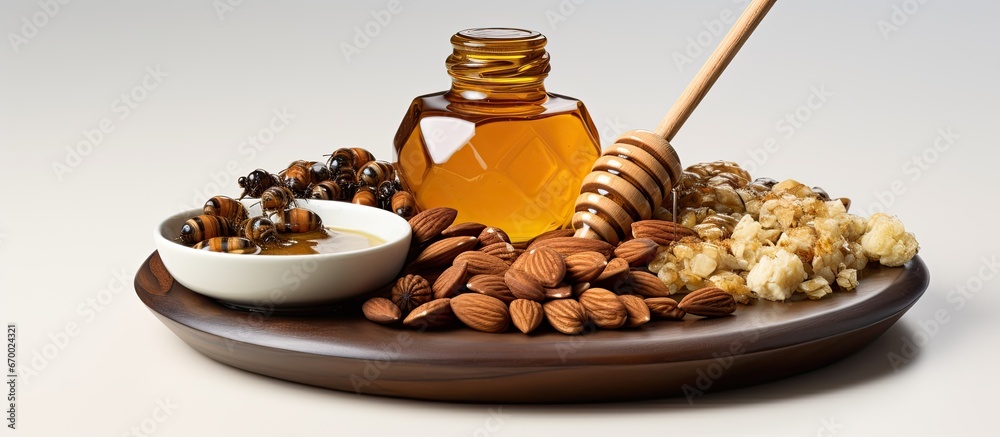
[498,66]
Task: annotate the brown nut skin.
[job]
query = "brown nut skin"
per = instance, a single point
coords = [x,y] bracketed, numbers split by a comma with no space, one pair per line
[604,308]
[526,315]
[381,310]
[431,315]
[410,292]
[481,312]
[708,302]
[566,315]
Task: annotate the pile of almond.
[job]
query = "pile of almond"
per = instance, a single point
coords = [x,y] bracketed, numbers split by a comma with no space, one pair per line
[471,274]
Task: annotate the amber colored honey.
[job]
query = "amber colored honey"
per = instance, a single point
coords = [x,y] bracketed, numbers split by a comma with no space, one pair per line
[328,240]
[499,148]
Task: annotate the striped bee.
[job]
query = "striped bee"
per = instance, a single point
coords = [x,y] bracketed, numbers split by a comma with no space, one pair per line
[204,227]
[297,176]
[256,182]
[259,230]
[365,196]
[297,220]
[228,245]
[375,172]
[404,205]
[227,207]
[326,190]
[277,199]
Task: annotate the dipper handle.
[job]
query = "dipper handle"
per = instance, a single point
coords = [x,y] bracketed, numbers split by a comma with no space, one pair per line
[634,175]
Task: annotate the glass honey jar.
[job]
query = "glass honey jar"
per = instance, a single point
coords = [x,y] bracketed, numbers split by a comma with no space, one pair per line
[497,146]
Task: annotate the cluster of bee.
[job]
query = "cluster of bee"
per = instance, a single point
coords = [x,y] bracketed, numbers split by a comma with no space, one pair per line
[225,224]
[349,174]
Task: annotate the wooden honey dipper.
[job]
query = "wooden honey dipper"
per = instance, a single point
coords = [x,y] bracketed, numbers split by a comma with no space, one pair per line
[633,176]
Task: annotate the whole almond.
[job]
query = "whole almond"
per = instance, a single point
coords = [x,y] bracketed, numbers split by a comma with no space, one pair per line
[450,281]
[434,314]
[504,251]
[585,266]
[635,307]
[410,292]
[481,312]
[545,265]
[567,246]
[708,302]
[466,229]
[565,315]
[614,274]
[491,285]
[638,252]
[604,308]
[429,223]
[481,263]
[442,252]
[493,235]
[563,291]
[664,308]
[662,232]
[523,285]
[381,310]
[526,315]
[645,284]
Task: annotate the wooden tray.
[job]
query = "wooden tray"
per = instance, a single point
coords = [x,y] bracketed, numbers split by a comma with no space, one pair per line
[343,351]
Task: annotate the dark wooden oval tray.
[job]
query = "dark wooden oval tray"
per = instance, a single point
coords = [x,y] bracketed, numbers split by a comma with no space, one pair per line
[343,351]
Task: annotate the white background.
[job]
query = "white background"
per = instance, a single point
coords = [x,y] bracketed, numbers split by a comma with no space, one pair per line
[66,236]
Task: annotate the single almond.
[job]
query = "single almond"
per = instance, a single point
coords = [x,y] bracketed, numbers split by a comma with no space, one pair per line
[614,274]
[567,246]
[493,235]
[481,312]
[708,302]
[526,315]
[434,314]
[635,307]
[491,285]
[645,284]
[604,308]
[410,292]
[563,291]
[638,252]
[504,251]
[450,281]
[466,229]
[381,310]
[481,263]
[662,232]
[429,223]
[545,265]
[585,266]
[664,308]
[523,285]
[442,252]
[565,315]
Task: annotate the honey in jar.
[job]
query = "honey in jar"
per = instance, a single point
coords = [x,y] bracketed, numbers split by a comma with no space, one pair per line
[497,146]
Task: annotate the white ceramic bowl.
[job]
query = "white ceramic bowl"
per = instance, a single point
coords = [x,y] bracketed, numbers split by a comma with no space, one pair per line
[266,281]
